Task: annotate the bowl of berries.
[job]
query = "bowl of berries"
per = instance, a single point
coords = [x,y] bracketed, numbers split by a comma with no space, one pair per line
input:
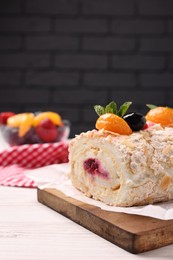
[33,128]
[33,140]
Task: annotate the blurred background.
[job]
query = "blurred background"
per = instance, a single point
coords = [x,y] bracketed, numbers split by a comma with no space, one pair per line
[68,55]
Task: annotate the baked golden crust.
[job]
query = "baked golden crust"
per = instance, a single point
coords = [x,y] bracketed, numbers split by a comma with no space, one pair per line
[132,170]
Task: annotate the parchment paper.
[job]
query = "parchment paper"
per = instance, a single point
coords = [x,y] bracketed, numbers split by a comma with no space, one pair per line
[56,176]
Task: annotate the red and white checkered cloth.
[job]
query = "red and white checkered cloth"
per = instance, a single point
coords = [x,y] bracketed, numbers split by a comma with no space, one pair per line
[15,160]
[14,175]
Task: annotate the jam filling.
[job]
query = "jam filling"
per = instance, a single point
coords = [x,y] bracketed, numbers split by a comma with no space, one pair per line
[93,167]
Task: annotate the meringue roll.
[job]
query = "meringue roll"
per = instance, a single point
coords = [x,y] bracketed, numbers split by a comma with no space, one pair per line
[123,170]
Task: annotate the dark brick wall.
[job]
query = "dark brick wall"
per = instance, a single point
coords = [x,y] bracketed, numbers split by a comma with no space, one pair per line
[67,55]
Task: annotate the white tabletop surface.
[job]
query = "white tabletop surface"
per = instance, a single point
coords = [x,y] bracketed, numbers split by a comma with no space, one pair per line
[30,230]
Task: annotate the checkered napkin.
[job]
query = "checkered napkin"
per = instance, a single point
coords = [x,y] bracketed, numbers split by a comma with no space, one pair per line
[14,175]
[15,160]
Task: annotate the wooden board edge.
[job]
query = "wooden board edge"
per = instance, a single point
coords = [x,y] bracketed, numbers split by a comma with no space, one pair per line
[77,212]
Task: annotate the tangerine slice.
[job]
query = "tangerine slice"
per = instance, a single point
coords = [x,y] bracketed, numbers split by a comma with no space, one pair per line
[54,117]
[23,121]
[113,123]
[26,124]
[160,115]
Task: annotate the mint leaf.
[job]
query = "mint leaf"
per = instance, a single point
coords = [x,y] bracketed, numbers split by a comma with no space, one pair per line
[111,108]
[99,110]
[123,108]
[150,106]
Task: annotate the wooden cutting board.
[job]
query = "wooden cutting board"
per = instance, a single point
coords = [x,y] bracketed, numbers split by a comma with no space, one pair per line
[134,233]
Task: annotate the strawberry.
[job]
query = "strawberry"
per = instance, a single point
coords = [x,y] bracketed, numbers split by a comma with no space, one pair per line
[47,130]
[4,116]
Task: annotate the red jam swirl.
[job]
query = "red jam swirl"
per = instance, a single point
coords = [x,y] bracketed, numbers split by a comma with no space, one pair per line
[93,167]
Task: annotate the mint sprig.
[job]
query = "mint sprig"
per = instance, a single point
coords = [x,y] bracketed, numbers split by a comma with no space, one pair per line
[123,108]
[150,106]
[99,110]
[112,108]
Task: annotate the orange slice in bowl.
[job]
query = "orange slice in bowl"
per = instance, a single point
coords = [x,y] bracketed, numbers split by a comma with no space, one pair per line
[113,123]
[161,115]
[23,121]
[54,117]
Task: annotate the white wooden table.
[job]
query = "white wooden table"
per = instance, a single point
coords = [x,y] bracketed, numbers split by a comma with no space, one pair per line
[30,230]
